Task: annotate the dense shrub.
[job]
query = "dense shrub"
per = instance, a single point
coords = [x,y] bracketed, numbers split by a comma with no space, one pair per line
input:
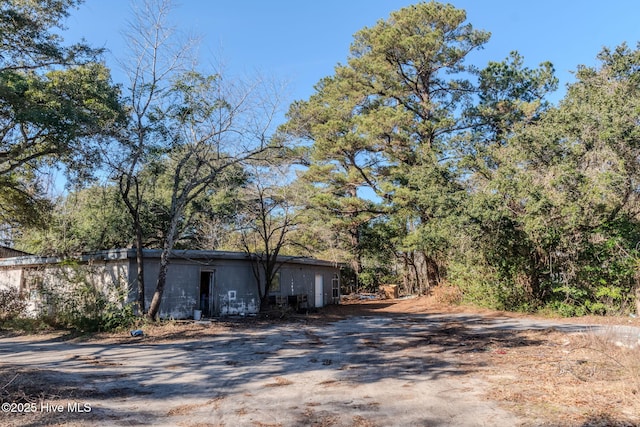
[84,308]
[13,305]
[76,303]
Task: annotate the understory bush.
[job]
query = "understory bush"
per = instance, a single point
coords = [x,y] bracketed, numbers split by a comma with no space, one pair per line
[603,300]
[484,286]
[84,308]
[13,305]
[481,285]
[80,305]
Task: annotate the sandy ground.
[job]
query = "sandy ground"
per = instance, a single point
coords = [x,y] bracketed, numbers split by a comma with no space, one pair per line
[367,365]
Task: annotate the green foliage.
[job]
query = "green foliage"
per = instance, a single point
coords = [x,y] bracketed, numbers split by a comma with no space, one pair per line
[80,305]
[95,218]
[26,39]
[54,101]
[378,255]
[565,309]
[115,316]
[87,220]
[419,167]
[519,203]
[485,286]
[23,203]
[380,129]
[13,305]
[554,189]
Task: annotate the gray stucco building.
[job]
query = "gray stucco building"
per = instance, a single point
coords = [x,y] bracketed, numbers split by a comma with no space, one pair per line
[214,282]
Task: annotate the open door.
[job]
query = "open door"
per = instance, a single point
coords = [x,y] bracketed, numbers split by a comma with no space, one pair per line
[207,283]
[319,291]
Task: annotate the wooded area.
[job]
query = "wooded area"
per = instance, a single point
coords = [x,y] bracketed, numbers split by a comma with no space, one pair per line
[410,164]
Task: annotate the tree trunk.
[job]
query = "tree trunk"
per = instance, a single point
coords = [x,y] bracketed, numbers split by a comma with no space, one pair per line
[412,273]
[357,267]
[154,307]
[268,265]
[536,266]
[432,272]
[126,181]
[637,292]
[405,278]
[263,292]
[264,302]
[142,309]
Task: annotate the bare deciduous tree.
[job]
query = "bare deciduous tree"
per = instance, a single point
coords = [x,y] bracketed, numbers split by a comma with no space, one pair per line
[269,220]
[156,55]
[215,127]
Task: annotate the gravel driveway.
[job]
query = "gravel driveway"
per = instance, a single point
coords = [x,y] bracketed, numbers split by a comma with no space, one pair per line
[362,371]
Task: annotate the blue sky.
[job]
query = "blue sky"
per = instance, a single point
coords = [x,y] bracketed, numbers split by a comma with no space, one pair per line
[300,41]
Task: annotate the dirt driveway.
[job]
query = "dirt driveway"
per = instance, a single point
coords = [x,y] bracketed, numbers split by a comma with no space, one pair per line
[368,368]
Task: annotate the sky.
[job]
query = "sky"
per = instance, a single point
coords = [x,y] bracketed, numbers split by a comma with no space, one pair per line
[301,41]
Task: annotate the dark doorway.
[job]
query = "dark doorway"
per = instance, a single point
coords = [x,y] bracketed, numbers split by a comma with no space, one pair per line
[206,293]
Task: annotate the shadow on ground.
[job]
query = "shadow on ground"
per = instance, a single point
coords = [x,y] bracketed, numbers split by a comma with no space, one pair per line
[255,360]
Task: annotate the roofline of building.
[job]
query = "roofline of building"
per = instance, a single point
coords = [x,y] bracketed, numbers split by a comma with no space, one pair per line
[12,250]
[122,254]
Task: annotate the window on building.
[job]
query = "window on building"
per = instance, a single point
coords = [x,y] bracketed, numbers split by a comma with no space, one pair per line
[335,285]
